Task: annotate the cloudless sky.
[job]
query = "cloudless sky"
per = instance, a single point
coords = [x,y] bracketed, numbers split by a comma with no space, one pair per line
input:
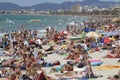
[32,2]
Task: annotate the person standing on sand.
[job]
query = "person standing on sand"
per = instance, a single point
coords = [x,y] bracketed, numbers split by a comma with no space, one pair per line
[34,33]
[5,41]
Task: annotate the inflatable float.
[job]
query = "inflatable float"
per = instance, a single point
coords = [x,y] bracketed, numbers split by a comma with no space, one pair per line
[95,62]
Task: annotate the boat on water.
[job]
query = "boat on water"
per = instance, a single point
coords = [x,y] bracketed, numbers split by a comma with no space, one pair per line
[72,23]
[44,19]
[34,20]
[8,21]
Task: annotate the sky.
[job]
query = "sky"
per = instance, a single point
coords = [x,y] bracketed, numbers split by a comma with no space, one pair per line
[32,2]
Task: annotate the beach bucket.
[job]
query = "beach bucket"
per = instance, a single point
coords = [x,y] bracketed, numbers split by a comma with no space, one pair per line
[97,49]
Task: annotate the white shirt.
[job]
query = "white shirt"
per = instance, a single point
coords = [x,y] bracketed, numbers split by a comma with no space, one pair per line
[26,43]
[84,46]
[38,41]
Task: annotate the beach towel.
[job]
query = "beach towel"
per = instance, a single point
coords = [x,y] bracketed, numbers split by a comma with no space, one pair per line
[41,76]
[63,47]
[108,67]
[65,54]
[59,68]
[75,79]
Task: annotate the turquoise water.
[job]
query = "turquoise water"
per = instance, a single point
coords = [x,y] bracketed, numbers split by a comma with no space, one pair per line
[13,22]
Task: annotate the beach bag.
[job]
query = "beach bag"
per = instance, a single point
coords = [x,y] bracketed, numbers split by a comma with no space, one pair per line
[70,62]
[97,49]
[25,77]
[81,65]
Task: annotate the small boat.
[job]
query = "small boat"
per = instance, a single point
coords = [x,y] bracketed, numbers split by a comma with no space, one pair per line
[59,23]
[72,23]
[34,20]
[44,19]
[8,21]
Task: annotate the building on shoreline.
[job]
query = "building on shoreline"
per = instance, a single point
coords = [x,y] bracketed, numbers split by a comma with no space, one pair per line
[74,10]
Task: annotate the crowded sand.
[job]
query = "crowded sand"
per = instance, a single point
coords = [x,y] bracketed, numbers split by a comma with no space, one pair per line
[96,55]
[78,53]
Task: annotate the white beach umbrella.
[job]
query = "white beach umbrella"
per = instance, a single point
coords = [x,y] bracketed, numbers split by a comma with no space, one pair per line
[92,34]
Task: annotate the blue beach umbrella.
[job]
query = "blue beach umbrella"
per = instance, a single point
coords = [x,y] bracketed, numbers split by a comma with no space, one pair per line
[111,33]
[100,31]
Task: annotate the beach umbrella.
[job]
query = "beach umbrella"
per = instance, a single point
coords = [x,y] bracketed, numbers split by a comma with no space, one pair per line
[115,19]
[100,31]
[64,33]
[111,33]
[115,33]
[92,34]
[112,39]
[106,40]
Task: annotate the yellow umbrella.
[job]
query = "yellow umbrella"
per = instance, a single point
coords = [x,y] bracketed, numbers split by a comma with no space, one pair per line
[113,39]
[92,34]
[115,19]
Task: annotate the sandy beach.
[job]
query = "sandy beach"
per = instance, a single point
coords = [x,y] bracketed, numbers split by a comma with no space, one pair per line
[96,55]
[90,53]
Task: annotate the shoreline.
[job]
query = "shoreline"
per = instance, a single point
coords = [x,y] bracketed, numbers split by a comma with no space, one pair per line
[63,15]
[88,17]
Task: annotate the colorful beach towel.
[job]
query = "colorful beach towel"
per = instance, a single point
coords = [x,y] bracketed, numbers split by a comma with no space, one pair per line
[108,67]
[74,79]
[65,54]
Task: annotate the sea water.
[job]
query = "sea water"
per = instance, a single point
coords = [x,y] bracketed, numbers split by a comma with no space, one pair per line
[18,22]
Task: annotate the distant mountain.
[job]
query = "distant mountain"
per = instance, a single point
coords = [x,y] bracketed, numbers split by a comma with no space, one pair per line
[100,4]
[69,4]
[9,6]
[55,6]
[45,6]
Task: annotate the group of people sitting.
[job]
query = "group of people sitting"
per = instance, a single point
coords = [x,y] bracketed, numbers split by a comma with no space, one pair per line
[25,53]
[114,53]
